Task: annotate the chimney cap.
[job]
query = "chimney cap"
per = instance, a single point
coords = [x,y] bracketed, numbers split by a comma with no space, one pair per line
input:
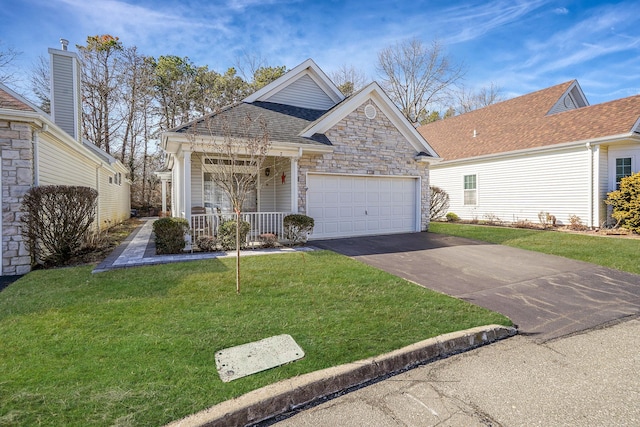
[64,43]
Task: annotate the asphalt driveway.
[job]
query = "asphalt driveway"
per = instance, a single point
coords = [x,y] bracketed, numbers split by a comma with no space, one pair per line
[545,295]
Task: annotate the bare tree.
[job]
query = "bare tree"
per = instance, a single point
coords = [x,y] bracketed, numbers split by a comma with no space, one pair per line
[469,100]
[7,58]
[234,155]
[41,83]
[348,79]
[101,73]
[416,76]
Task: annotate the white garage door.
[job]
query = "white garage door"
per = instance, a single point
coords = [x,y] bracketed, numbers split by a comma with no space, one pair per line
[344,205]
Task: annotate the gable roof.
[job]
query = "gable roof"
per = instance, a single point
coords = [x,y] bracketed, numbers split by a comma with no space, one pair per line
[374,93]
[308,80]
[529,122]
[13,101]
[289,121]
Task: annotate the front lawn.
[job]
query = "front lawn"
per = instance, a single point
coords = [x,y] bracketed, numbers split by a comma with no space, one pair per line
[136,346]
[613,252]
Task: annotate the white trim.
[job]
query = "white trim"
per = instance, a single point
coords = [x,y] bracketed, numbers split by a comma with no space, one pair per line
[308,67]
[1,224]
[374,93]
[610,140]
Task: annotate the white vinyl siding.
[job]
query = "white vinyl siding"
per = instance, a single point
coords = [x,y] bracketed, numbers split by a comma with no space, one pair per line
[275,196]
[197,177]
[305,93]
[65,99]
[58,164]
[518,188]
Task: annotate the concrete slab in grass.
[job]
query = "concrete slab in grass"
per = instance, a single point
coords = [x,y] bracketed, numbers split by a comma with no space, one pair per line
[247,359]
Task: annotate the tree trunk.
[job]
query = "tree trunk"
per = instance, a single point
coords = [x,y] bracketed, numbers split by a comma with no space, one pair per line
[237,251]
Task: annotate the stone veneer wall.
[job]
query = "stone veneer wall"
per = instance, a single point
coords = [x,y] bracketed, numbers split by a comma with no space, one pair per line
[362,145]
[16,151]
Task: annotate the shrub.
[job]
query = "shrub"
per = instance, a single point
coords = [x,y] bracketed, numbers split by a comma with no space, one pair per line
[56,221]
[227,234]
[297,227]
[626,203]
[492,219]
[206,243]
[268,240]
[575,223]
[524,223]
[439,202]
[452,217]
[546,219]
[170,233]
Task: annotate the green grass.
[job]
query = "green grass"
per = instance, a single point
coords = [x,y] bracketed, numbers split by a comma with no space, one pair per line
[619,253]
[136,346]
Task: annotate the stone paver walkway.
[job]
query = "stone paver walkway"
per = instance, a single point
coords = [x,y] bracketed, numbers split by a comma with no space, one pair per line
[139,249]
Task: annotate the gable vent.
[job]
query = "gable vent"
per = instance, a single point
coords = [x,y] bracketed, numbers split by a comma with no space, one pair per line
[370,111]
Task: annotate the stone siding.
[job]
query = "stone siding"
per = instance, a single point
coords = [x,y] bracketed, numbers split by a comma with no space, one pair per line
[16,152]
[365,146]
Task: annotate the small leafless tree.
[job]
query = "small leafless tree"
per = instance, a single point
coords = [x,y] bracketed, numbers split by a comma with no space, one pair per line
[348,79]
[469,100]
[234,155]
[439,203]
[8,56]
[416,76]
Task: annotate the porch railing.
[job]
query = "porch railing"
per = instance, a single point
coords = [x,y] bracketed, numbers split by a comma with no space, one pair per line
[261,223]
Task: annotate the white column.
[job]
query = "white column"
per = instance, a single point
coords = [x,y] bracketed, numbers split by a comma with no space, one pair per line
[164,195]
[187,185]
[294,184]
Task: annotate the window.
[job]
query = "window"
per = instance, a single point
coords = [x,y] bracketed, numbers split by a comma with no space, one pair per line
[623,169]
[470,190]
[216,198]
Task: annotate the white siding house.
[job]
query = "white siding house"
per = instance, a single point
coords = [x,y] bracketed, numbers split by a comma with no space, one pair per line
[36,151]
[548,151]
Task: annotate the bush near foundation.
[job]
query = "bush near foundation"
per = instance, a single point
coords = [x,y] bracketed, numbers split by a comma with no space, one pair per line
[170,233]
[439,203]
[626,203]
[56,221]
[297,228]
[227,234]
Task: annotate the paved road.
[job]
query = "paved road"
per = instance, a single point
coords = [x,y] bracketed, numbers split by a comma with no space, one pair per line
[546,296]
[575,363]
[589,379]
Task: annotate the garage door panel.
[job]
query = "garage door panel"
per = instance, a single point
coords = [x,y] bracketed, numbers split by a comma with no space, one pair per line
[344,205]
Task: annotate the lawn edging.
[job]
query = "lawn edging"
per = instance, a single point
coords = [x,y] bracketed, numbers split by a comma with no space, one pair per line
[284,396]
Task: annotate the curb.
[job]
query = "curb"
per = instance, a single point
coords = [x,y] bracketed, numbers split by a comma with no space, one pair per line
[284,396]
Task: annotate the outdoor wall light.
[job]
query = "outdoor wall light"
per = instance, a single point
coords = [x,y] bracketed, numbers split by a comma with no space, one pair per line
[267,172]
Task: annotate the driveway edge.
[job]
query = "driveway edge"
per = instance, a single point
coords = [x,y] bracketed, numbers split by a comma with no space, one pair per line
[284,396]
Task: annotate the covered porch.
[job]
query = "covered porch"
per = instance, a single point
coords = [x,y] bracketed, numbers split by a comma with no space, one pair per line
[190,184]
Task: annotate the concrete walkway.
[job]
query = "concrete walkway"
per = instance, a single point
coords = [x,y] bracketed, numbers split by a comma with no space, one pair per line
[138,249]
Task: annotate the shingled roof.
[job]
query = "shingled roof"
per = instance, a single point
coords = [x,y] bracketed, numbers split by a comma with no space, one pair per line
[10,102]
[284,122]
[525,123]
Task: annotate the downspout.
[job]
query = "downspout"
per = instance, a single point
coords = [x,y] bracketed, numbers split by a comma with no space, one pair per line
[591,187]
[36,155]
[100,165]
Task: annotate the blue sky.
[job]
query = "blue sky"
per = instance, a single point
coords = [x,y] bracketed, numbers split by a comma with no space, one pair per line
[520,45]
